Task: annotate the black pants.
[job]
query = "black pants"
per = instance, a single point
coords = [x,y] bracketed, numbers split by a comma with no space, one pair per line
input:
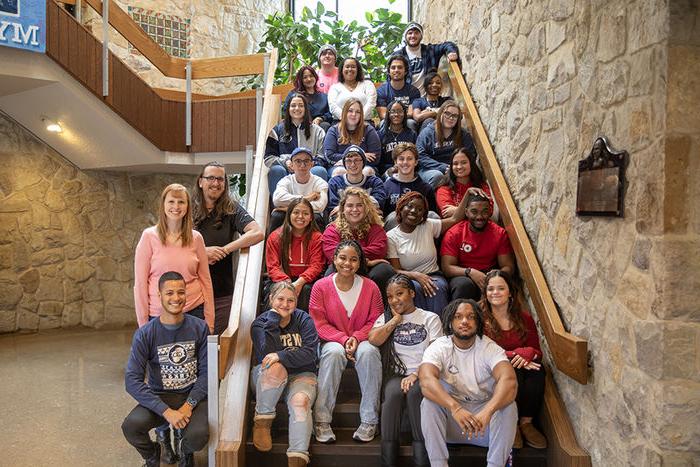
[393,406]
[530,391]
[464,287]
[222,311]
[141,420]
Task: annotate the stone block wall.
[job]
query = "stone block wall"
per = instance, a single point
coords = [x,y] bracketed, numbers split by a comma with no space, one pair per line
[218,28]
[67,237]
[548,78]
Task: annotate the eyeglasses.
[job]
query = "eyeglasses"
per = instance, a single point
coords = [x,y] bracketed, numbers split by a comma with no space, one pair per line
[450,115]
[212,179]
[302,161]
[396,112]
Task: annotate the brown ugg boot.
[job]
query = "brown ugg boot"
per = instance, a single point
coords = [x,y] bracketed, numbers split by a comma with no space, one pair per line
[297,459]
[261,432]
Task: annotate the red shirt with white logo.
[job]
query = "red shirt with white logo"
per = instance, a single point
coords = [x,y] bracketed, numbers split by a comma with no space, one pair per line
[478,250]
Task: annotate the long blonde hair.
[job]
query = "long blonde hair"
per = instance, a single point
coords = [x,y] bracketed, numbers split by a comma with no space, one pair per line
[186,223]
[345,136]
[371,216]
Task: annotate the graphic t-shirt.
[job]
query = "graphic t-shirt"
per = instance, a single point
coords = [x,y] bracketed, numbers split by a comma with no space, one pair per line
[478,250]
[417,69]
[468,373]
[413,336]
[326,81]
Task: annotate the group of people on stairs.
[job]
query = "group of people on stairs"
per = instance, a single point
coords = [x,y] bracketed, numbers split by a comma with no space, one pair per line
[360,210]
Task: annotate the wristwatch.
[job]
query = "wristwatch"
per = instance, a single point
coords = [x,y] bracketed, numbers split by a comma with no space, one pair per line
[467,271]
[192,401]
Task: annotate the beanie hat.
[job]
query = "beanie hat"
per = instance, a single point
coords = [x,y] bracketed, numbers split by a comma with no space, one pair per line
[301,150]
[412,25]
[354,149]
[328,47]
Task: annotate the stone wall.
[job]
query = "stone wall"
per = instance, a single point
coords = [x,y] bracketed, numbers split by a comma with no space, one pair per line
[218,28]
[548,78]
[67,237]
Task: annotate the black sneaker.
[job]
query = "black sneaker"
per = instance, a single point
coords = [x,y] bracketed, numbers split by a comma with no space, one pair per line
[154,460]
[186,460]
[167,455]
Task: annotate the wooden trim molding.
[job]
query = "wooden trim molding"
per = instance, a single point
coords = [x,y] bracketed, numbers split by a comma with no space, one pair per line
[569,353]
[174,67]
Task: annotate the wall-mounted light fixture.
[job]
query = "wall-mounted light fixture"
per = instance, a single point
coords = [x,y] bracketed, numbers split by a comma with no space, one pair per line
[52,126]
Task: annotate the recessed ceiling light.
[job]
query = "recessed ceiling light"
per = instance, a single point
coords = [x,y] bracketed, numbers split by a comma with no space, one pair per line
[53,127]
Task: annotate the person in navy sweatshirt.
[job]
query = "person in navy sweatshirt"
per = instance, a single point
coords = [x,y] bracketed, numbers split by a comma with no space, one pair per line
[396,88]
[285,343]
[354,161]
[173,347]
[394,130]
[404,180]
[437,141]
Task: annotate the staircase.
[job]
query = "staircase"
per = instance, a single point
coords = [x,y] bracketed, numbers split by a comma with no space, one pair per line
[346,452]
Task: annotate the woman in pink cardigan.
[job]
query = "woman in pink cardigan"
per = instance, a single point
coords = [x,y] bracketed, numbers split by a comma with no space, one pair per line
[172,245]
[344,306]
[358,220]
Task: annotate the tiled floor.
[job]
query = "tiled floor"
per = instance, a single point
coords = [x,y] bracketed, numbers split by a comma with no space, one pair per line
[63,399]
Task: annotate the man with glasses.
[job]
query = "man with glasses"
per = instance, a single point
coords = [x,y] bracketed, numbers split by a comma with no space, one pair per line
[354,160]
[423,58]
[300,184]
[396,88]
[469,389]
[226,227]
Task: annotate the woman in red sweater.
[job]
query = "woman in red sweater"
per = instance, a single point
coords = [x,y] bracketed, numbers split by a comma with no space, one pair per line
[513,329]
[463,175]
[359,220]
[294,251]
[344,306]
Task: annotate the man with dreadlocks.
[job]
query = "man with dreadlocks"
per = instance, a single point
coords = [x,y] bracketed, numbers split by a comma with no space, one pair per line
[403,332]
[469,388]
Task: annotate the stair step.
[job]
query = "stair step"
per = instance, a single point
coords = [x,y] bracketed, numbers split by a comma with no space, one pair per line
[346,452]
[345,415]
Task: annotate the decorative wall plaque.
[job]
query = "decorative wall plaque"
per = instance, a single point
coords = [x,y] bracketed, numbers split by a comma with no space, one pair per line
[171,32]
[601,181]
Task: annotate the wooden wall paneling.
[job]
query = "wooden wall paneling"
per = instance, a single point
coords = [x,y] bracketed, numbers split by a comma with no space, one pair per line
[211,141]
[241,121]
[228,126]
[221,124]
[63,37]
[196,126]
[250,117]
[179,127]
[73,47]
[52,33]
[91,63]
[235,127]
[82,55]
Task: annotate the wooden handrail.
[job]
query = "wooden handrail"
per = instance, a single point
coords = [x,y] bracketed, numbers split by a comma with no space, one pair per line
[569,353]
[230,450]
[174,67]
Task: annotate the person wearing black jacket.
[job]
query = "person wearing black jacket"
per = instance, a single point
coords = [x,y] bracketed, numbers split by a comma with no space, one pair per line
[285,343]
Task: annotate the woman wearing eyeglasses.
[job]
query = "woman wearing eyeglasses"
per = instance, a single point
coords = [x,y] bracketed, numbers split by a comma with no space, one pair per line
[226,227]
[437,142]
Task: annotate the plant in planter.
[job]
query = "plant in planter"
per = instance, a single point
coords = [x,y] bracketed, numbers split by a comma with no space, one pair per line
[298,40]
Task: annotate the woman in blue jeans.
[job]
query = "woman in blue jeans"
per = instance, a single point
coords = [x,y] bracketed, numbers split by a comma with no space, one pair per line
[286,355]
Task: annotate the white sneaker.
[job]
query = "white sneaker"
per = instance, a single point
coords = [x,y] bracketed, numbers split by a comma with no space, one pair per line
[365,432]
[324,433]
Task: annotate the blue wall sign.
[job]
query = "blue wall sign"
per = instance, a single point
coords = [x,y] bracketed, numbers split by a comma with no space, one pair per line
[23,24]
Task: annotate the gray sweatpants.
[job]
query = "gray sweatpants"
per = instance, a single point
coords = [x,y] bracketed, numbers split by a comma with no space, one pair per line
[439,428]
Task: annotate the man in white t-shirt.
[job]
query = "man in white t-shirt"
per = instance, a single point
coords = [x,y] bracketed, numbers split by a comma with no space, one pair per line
[469,389]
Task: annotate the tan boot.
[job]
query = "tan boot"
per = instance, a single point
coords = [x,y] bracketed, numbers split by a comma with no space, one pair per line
[518,443]
[532,436]
[297,459]
[261,432]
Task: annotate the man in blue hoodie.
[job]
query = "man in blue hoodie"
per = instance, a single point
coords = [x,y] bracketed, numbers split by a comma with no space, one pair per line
[174,349]
[421,57]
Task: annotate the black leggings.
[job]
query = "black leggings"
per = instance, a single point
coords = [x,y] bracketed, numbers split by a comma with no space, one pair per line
[530,391]
[393,407]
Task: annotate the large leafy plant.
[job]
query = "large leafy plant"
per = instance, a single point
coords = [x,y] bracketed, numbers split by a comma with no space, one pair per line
[298,40]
